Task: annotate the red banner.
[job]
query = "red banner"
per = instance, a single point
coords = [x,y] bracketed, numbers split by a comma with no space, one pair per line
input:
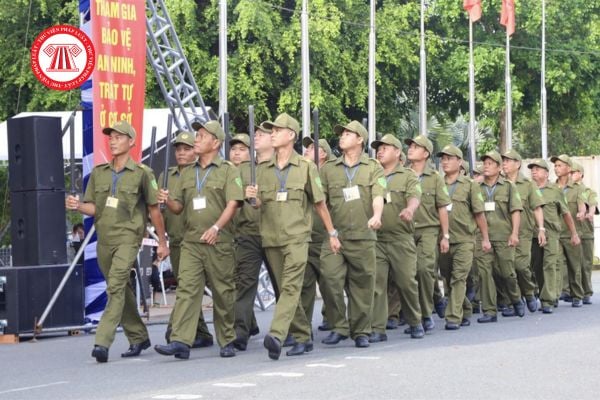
[507,16]
[473,7]
[119,36]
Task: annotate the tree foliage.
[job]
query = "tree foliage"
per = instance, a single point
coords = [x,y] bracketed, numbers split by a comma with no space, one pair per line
[265,70]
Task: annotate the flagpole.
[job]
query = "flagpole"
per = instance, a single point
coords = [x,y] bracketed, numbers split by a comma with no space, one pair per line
[544,111]
[472,144]
[423,77]
[372,48]
[508,95]
[222,57]
[305,71]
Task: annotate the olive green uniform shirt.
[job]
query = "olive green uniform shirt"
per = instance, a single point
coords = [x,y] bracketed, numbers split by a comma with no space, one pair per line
[174,223]
[247,218]
[434,196]
[222,183]
[289,221]
[351,218]
[507,200]
[531,198]
[586,227]
[402,185]
[554,209]
[574,196]
[467,200]
[135,187]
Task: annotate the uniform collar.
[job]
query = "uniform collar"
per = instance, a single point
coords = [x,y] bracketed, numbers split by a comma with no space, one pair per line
[294,159]
[427,171]
[216,161]
[129,164]
[364,159]
[397,169]
[500,181]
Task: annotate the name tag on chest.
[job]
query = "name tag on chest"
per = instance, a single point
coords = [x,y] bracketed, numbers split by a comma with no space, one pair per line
[199,203]
[112,202]
[351,193]
[388,197]
[489,206]
[281,196]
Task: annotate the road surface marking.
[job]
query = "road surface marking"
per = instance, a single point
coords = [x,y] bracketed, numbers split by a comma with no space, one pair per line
[22,389]
[234,385]
[326,365]
[283,374]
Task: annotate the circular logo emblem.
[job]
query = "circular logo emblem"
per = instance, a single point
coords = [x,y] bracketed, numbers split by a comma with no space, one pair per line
[62,57]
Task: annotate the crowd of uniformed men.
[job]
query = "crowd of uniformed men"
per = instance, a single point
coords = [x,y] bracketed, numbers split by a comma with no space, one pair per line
[375,235]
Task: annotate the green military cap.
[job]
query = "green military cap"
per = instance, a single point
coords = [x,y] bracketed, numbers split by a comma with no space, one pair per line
[262,127]
[212,127]
[353,126]
[283,121]
[494,155]
[538,162]
[307,141]
[421,141]
[512,154]
[387,139]
[450,150]
[577,167]
[564,158]
[122,127]
[185,138]
[242,138]
[478,169]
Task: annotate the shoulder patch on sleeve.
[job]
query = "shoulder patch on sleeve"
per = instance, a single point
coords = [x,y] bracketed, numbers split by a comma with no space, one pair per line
[154,184]
[480,196]
[418,186]
[446,191]
[539,192]
[318,182]
[382,182]
[238,181]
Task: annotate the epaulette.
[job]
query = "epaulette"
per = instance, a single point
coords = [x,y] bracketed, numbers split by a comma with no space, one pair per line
[302,158]
[229,163]
[145,167]
[374,160]
[103,165]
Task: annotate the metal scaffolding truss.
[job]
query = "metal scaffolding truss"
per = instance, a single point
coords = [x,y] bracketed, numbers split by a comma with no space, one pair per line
[173,73]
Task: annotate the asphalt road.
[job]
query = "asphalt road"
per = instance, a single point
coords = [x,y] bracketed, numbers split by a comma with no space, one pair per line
[536,357]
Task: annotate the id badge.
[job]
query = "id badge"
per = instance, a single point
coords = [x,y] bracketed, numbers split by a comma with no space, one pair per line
[281,196]
[449,207]
[489,206]
[112,202]
[199,203]
[388,198]
[351,193]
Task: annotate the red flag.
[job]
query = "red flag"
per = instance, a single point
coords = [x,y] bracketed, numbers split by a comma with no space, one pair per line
[507,16]
[473,7]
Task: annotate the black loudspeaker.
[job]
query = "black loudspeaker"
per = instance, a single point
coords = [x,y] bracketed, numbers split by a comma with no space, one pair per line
[38,227]
[28,290]
[35,154]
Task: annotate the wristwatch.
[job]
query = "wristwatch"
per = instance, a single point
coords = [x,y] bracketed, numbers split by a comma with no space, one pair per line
[333,233]
[447,236]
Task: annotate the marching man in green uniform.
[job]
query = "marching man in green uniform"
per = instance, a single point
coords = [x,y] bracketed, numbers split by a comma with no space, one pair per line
[502,205]
[571,255]
[587,233]
[120,195]
[545,258]
[396,252]
[355,189]
[532,216]
[312,274]
[288,186]
[466,210]
[431,219]
[249,253]
[209,193]
[184,156]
